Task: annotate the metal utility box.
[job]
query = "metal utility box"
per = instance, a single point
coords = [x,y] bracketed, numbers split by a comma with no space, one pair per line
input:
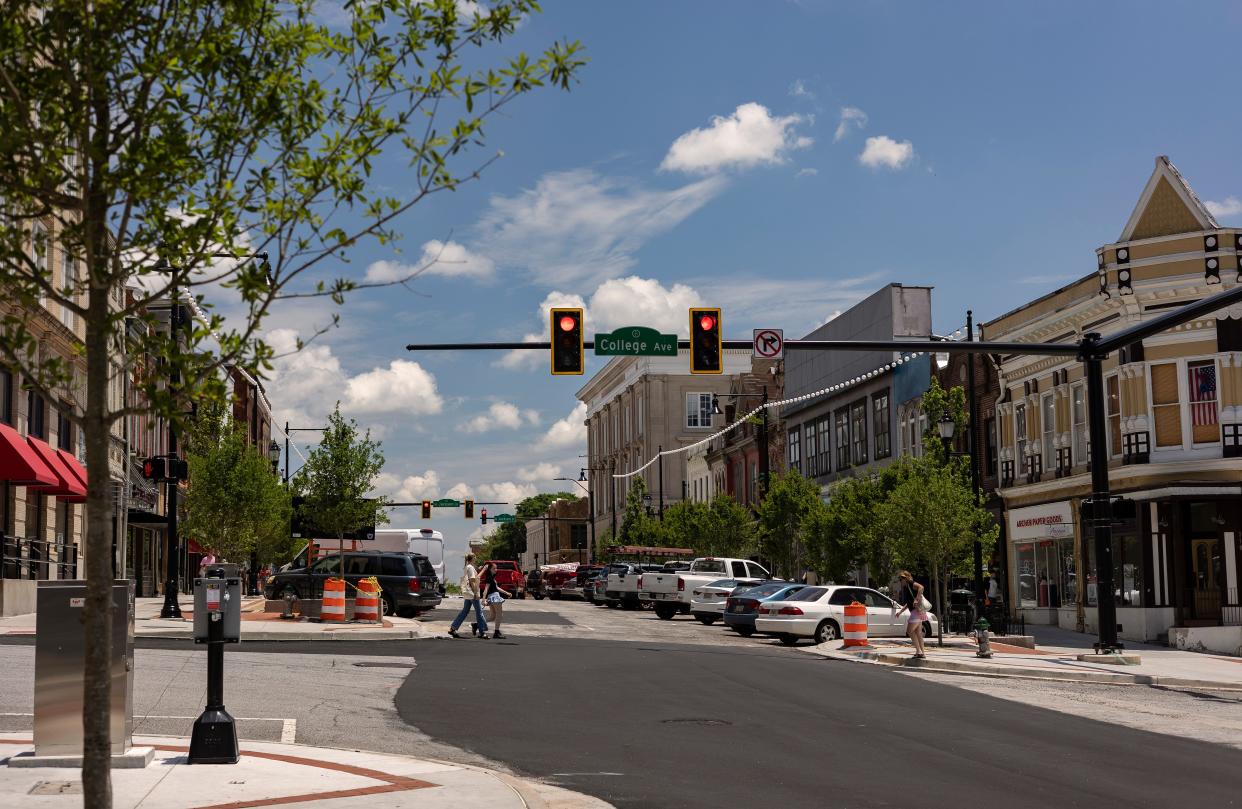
[217,595]
[59,667]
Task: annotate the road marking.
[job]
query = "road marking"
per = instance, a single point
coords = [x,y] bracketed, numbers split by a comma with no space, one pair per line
[569,774]
[288,731]
[288,727]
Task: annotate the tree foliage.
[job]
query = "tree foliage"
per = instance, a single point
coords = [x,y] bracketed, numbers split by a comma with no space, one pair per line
[508,541]
[235,503]
[783,517]
[637,526]
[240,149]
[337,476]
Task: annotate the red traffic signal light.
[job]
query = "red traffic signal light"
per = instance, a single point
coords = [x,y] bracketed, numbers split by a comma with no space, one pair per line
[705,342]
[155,469]
[426,509]
[567,341]
[483,512]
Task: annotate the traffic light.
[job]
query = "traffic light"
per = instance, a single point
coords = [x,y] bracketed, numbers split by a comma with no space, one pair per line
[705,341]
[177,469]
[155,468]
[567,341]
[469,509]
[426,509]
[484,513]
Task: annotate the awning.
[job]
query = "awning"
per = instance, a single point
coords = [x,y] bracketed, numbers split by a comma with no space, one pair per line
[193,547]
[76,469]
[19,463]
[67,484]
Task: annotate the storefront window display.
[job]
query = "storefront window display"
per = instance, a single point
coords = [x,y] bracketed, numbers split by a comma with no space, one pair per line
[1069,570]
[1128,564]
[1039,580]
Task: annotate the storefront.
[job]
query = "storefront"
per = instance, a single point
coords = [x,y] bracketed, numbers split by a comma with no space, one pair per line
[1042,561]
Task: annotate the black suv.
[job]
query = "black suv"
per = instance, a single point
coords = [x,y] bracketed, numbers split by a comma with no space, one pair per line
[407,580]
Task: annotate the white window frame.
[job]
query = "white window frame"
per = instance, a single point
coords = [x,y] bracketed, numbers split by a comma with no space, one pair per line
[1020,438]
[704,409]
[1078,429]
[1048,431]
[1184,404]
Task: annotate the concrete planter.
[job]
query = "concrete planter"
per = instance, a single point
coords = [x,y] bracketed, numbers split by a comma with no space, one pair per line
[17,597]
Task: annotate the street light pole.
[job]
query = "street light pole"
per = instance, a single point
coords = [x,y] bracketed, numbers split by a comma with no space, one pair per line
[660,455]
[612,494]
[972,428]
[763,449]
[1101,502]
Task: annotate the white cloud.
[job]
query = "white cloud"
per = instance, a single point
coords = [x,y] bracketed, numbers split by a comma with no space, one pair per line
[807,172]
[539,473]
[1228,208]
[507,491]
[630,301]
[851,118]
[402,387]
[501,415]
[883,151]
[802,304]
[577,225]
[568,432]
[459,491]
[751,136]
[798,90]
[438,258]
[410,488]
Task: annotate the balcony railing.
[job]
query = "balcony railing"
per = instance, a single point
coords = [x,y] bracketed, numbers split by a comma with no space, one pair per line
[28,558]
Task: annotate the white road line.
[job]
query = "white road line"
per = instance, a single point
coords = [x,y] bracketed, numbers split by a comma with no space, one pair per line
[288,731]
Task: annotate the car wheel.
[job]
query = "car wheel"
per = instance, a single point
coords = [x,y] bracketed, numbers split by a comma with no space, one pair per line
[927,629]
[706,620]
[827,631]
[387,605]
[665,612]
[788,640]
[539,596]
[744,631]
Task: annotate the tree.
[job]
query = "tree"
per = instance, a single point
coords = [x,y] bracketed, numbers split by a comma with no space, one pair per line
[936,402]
[782,514]
[151,140]
[235,504]
[931,518]
[689,524]
[733,529]
[844,532]
[336,478]
[509,539]
[637,526]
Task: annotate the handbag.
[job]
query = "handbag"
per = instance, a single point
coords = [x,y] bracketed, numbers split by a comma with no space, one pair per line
[924,604]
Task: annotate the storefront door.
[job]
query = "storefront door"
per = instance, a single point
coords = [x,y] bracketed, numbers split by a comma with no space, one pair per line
[1208,570]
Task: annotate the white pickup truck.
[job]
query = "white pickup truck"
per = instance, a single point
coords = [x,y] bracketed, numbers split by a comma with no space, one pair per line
[670,593]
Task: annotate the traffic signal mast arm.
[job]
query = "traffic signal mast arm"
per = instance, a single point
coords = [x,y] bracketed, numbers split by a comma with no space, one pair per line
[1048,349]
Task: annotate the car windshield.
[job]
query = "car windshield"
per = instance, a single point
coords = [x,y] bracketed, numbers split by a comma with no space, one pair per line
[769,590]
[808,594]
[708,566]
[724,584]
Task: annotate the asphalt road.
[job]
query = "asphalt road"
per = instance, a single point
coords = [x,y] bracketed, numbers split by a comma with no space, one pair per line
[662,725]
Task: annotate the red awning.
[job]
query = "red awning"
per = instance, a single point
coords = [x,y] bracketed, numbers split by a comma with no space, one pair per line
[67,483]
[193,547]
[19,463]
[75,468]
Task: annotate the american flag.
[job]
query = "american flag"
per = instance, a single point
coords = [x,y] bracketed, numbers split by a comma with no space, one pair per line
[1203,394]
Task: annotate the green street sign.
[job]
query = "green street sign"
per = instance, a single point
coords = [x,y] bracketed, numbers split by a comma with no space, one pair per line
[503,518]
[636,341]
[446,503]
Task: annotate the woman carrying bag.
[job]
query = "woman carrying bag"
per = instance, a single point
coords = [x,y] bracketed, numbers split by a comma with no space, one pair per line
[911,598]
[494,596]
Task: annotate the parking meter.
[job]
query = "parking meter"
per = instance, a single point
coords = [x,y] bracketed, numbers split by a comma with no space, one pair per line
[217,599]
[217,620]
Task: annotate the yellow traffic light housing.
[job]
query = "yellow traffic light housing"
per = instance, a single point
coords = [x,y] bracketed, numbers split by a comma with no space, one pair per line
[567,348]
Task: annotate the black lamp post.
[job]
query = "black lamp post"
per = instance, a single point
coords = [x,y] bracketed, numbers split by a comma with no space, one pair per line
[582,478]
[273,455]
[946,428]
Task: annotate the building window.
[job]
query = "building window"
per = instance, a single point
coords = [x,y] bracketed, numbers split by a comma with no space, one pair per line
[640,415]
[1048,421]
[6,399]
[36,415]
[824,428]
[754,477]
[627,424]
[1078,415]
[38,255]
[812,454]
[1039,574]
[880,423]
[989,450]
[795,450]
[1019,432]
[1201,384]
[858,431]
[1165,406]
[699,411]
[69,282]
[843,438]
[64,429]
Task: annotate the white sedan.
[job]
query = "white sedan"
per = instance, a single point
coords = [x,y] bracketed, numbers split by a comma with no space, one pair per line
[707,601]
[819,613]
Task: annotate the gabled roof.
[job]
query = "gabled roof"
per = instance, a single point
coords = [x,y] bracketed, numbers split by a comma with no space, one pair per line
[1168,205]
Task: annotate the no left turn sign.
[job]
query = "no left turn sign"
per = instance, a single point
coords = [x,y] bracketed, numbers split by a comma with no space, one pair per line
[769,344]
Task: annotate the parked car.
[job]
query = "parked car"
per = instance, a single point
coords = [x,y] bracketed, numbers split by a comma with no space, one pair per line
[596,583]
[819,613]
[576,587]
[743,605]
[555,582]
[508,576]
[671,592]
[534,584]
[624,588]
[408,584]
[708,601]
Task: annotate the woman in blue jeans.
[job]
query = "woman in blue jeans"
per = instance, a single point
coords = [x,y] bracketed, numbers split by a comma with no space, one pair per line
[470,593]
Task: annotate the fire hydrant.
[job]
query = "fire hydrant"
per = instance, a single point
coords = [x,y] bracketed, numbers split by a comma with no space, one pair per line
[983,638]
[289,597]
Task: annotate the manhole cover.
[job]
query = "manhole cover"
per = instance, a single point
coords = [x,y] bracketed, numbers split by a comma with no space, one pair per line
[694,721]
[56,788]
[372,664]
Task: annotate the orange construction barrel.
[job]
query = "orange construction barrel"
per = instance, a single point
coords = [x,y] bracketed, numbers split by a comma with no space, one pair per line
[855,625]
[366,602]
[333,607]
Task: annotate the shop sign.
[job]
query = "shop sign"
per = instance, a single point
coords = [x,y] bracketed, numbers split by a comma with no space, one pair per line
[1041,522]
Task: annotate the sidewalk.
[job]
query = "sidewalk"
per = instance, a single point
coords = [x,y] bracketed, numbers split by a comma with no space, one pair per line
[283,775]
[1055,657]
[256,625]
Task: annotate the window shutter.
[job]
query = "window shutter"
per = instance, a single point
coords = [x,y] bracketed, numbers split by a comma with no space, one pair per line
[1164,384]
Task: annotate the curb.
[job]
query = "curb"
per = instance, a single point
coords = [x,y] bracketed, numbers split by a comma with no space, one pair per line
[1011,672]
[414,633]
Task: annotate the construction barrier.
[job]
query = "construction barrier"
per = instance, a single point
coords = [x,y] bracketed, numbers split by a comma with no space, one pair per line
[855,625]
[333,606]
[367,600]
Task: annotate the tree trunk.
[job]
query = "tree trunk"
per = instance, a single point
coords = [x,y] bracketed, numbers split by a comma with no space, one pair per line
[97,617]
[940,616]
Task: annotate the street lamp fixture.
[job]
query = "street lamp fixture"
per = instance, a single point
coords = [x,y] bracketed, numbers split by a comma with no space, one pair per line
[273,454]
[716,411]
[946,426]
[582,475]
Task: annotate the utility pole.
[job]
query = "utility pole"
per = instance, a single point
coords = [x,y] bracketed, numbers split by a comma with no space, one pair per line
[660,457]
[971,427]
[764,470]
[1101,502]
[171,608]
[286,454]
[612,494]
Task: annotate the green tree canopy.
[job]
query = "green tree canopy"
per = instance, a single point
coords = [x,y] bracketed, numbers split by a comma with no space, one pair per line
[782,521]
[509,539]
[337,476]
[637,526]
[235,504]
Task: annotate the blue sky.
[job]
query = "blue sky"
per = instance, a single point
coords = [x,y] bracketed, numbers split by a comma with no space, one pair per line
[778,159]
